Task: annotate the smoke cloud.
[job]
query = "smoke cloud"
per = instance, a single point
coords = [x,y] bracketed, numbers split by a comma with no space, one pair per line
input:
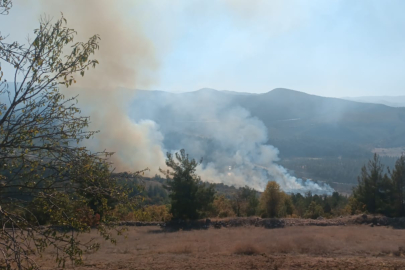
[141,126]
[127,60]
[209,124]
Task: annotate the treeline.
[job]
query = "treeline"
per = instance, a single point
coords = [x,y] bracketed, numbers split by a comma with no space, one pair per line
[183,195]
[238,202]
[273,202]
[380,191]
[331,169]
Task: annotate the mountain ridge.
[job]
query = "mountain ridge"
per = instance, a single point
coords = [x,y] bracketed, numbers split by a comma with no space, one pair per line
[301,124]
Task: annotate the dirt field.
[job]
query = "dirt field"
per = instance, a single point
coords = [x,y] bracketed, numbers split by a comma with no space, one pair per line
[312,247]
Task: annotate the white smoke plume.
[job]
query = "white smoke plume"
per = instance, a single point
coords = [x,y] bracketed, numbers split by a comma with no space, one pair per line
[206,124]
[232,143]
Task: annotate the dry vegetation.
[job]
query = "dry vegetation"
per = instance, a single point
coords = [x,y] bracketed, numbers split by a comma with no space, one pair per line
[340,247]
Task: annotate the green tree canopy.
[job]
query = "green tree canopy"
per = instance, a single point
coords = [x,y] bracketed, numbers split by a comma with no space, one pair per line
[314,210]
[245,201]
[398,182]
[374,188]
[190,197]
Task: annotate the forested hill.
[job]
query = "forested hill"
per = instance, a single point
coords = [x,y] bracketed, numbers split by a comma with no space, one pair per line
[299,124]
[305,125]
[392,101]
[320,138]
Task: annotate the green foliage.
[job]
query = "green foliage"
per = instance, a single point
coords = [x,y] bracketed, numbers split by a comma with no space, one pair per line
[314,210]
[354,207]
[156,194]
[151,190]
[221,207]
[46,176]
[398,188]
[286,207]
[378,193]
[160,213]
[333,205]
[190,197]
[374,189]
[149,213]
[245,202]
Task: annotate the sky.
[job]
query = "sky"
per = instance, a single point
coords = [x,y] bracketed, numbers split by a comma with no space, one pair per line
[322,47]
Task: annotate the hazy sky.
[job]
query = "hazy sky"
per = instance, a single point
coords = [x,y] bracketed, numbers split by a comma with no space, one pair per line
[326,47]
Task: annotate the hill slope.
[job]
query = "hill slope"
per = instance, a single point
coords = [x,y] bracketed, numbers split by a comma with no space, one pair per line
[398,101]
[298,124]
[307,125]
[319,138]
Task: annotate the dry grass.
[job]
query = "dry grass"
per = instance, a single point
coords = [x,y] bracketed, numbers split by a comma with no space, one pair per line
[181,249]
[246,249]
[288,248]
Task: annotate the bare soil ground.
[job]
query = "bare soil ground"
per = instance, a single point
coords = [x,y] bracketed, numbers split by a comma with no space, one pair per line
[249,247]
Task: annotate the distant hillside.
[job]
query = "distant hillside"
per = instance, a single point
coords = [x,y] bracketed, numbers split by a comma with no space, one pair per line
[306,125]
[299,124]
[398,101]
[320,138]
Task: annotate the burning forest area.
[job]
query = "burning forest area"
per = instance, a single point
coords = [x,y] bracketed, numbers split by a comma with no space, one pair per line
[155,134]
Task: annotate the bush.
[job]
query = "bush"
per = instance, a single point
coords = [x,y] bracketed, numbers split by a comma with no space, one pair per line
[314,211]
[221,207]
[153,213]
[354,207]
[158,213]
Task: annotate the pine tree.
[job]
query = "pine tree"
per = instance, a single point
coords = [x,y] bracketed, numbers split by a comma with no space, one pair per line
[398,181]
[190,197]
[374,188]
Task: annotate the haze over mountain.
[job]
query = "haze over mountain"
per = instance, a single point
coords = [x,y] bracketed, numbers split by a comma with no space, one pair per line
[298,124]
[249,132]
[228,127]
[392,101]
[244,137]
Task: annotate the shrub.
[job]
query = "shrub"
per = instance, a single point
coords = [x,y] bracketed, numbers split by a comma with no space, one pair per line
[153,213]
[314,210]
[354,207]
[221,207]
[158,213]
